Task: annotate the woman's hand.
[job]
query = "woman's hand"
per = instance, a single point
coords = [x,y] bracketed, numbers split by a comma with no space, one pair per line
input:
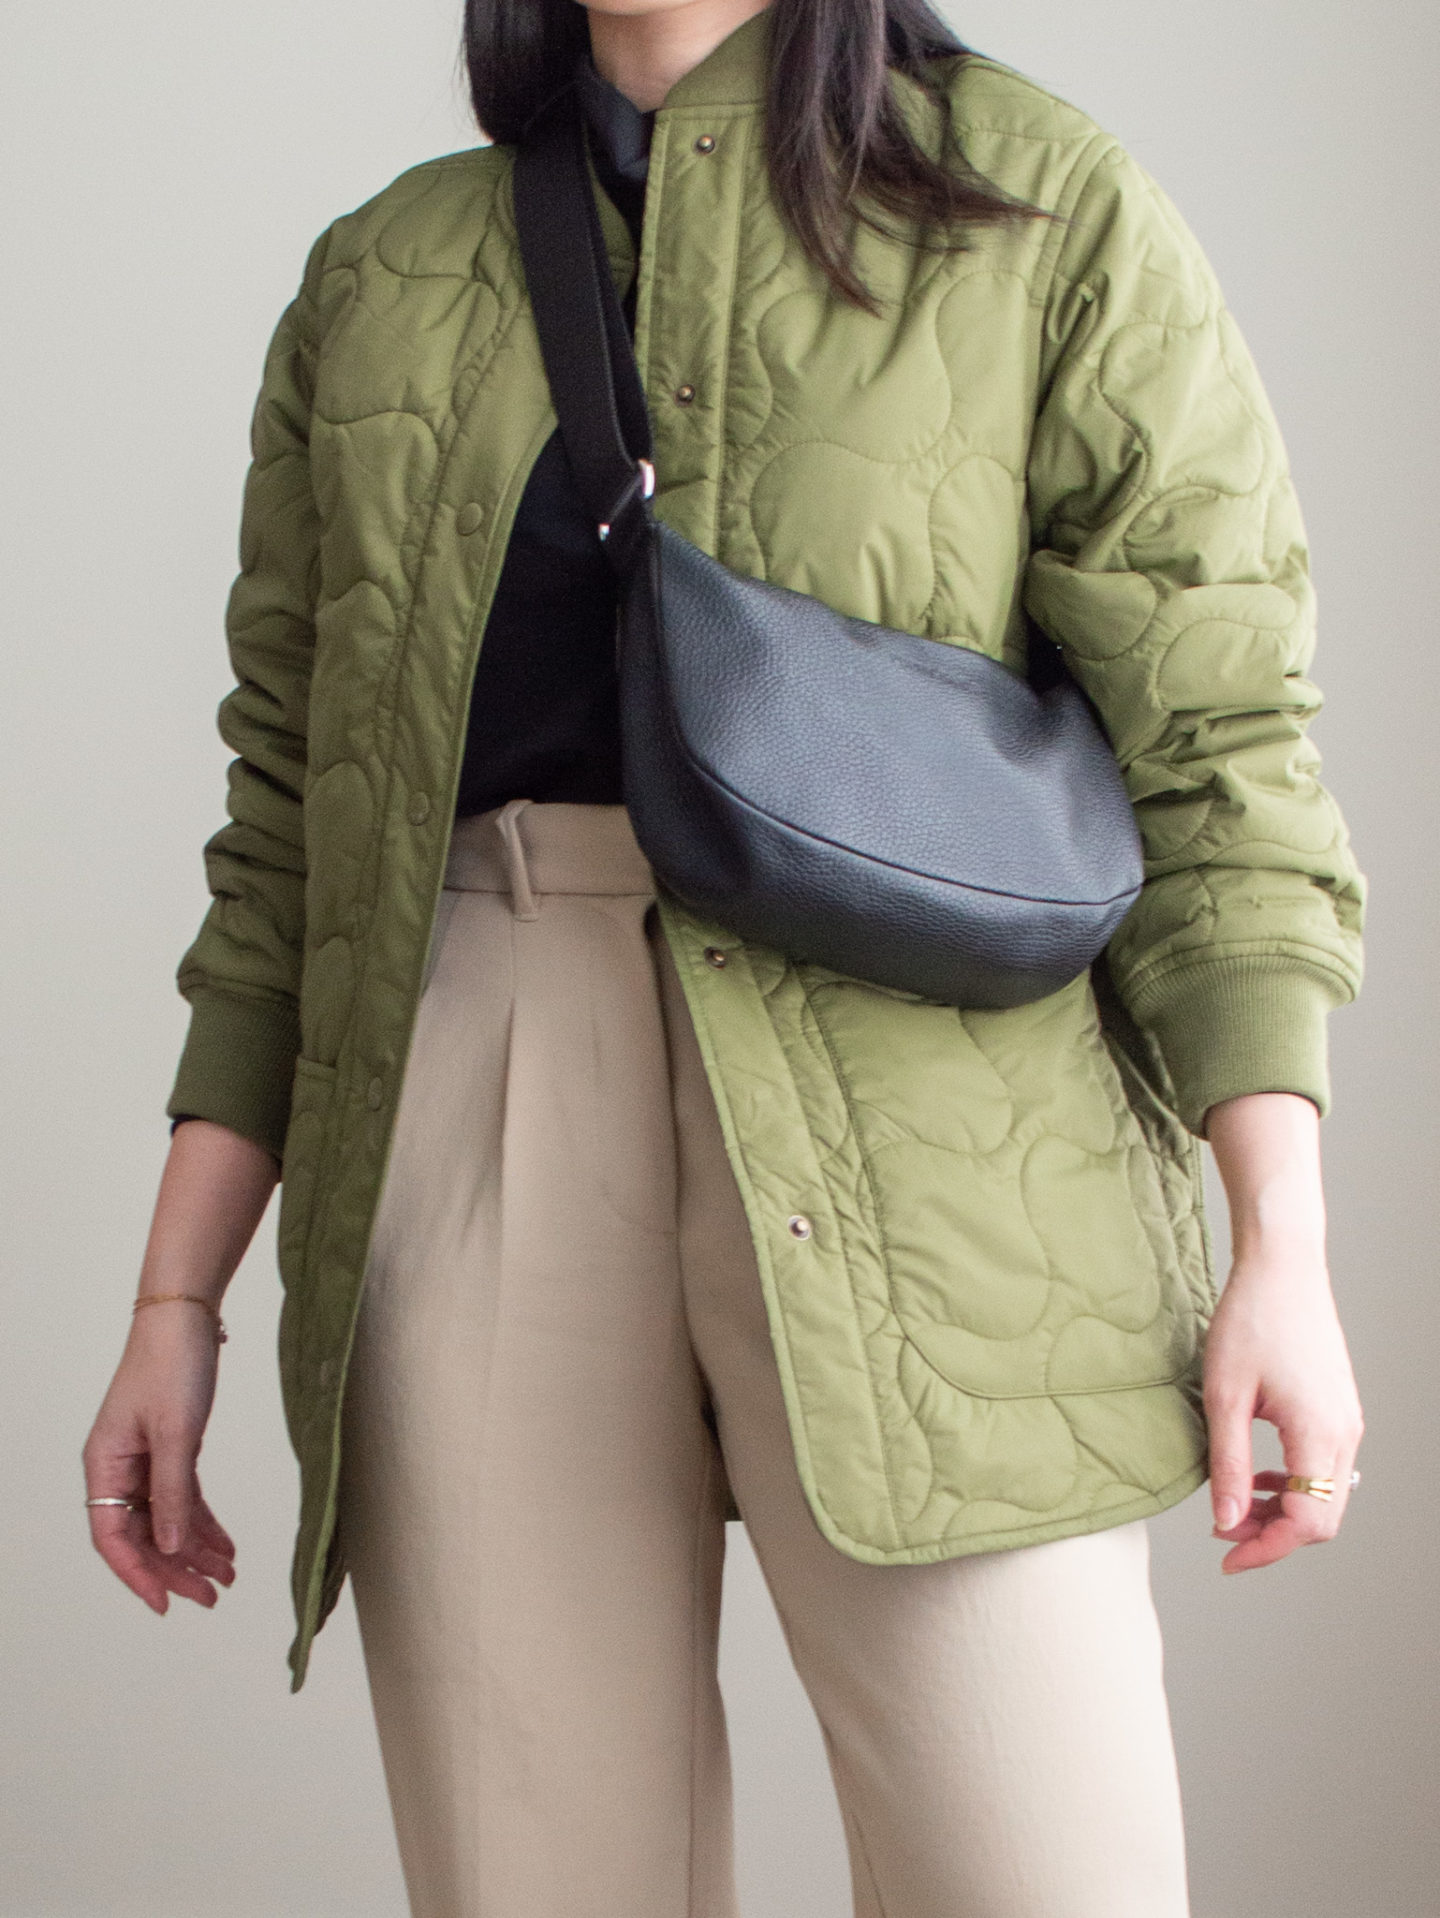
[146,1438]
[145,1442]
[1275,1349]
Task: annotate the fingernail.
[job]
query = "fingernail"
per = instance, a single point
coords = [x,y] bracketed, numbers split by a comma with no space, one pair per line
[168,1538]
[1227,1513]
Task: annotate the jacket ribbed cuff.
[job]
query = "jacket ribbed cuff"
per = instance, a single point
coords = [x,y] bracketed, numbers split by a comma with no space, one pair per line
[1226,1027]
[237,1066]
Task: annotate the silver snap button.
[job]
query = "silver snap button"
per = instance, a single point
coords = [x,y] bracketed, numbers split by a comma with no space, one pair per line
[715,957]
[469,519]
[799,1227]
[684,394]
[419,809]
[375,1094]
[706,143]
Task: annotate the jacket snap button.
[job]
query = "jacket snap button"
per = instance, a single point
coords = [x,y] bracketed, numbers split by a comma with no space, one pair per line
[715,957]
[799,1227]
[684,394]
[468,519]
[375,1094]
[706,143]
[419,809]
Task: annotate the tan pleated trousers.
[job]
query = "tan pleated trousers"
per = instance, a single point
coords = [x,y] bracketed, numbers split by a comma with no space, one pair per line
[562,1354]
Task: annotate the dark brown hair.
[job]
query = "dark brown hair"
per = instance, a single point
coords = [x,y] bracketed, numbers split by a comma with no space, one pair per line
[837,143]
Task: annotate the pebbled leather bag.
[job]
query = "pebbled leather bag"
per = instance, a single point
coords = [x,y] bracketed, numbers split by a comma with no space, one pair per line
[902,810]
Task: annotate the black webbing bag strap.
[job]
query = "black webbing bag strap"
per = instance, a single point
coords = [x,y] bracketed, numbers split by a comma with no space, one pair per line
[589,360]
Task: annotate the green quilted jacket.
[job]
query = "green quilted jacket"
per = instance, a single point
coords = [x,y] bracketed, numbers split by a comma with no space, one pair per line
[992,1335]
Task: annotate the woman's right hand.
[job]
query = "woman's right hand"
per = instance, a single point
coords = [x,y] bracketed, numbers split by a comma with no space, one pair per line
[145,1442]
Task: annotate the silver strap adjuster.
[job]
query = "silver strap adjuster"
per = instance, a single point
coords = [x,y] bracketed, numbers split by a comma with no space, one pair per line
[647,491]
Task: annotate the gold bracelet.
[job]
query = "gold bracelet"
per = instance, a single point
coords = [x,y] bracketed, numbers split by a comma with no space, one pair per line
[189,1298]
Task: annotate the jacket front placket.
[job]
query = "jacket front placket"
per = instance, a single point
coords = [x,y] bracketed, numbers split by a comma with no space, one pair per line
[706,166]
[699,162]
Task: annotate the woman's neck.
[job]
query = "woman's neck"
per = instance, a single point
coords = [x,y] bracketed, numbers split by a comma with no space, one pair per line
[644,53]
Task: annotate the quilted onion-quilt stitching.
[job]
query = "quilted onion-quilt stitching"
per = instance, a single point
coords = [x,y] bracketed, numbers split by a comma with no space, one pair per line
[1059,424]
[892,1374]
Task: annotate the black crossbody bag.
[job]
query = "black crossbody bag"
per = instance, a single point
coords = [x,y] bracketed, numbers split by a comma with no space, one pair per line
[895,808]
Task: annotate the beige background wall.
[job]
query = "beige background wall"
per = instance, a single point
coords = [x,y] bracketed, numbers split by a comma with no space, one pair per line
[166,167]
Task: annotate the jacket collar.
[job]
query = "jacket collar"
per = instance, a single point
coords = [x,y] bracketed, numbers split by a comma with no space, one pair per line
[732,74]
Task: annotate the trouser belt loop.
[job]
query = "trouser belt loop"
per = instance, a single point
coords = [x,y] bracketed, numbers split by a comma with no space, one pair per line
[507,823]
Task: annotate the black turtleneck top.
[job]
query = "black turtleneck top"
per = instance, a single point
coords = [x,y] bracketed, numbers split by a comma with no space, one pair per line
[545,712]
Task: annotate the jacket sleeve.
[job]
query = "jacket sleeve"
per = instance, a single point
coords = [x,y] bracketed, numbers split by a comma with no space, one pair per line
[241,975]
[1169,563]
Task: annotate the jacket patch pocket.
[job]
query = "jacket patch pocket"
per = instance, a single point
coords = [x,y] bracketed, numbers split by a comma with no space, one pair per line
[310,1101]
[1019,1221]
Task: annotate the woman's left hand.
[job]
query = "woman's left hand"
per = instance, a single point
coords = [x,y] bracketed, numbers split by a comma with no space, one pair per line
[1276,1350]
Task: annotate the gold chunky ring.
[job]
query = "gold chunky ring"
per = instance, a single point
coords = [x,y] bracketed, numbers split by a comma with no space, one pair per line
[1322,1488]
[1311,1487]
